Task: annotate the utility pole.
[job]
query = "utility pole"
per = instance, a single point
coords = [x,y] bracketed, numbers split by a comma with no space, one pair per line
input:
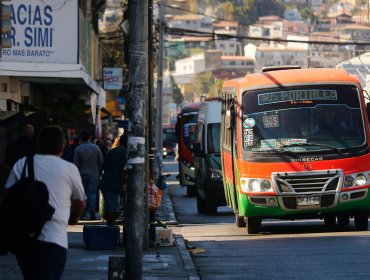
[158,132]
[150,123]
[137,101]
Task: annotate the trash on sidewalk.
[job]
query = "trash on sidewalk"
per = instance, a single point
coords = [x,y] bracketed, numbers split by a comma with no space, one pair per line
[164,236]
[197,251]
[101,237]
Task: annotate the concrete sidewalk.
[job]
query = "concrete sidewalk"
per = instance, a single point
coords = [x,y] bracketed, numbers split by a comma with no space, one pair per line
[158,263]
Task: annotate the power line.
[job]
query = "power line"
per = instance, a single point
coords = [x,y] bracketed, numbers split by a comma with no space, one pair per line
[256,25]
[215,36]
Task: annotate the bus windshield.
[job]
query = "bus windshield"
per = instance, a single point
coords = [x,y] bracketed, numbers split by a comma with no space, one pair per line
[302,119]
[169,137]
[189,126]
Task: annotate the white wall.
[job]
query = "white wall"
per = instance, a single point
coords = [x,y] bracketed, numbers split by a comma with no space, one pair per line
[43,32]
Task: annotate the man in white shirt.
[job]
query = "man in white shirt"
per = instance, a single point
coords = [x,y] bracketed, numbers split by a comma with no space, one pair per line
[45,257]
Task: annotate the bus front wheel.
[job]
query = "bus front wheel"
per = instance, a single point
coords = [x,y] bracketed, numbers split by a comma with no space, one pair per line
[330,220]
[253,224]
[239,221]
[361,220]
[211,207]
[343,219]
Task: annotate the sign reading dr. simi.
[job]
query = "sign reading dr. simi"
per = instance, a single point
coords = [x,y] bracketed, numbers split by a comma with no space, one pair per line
[43,31]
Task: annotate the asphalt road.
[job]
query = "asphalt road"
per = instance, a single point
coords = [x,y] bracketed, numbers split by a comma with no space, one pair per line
[304,249]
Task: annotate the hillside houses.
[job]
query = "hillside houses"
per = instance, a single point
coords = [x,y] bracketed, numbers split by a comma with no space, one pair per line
[276,55]
[230,48]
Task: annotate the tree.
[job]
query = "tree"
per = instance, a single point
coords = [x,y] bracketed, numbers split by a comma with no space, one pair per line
[307,14]
[225,10]
[177,96]
[247,13]
[216,89]
[202,84]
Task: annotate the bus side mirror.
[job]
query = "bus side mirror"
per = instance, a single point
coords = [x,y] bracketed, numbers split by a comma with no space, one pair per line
[368,111]
[197,150]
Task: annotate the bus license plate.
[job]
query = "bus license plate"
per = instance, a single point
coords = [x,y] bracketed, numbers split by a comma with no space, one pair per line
[308,200]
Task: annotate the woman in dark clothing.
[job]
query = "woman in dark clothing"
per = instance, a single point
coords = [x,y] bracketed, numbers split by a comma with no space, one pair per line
[113,179]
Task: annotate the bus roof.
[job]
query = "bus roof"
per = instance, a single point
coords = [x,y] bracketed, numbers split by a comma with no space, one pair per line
[164,126]
[190,107]
[292,77]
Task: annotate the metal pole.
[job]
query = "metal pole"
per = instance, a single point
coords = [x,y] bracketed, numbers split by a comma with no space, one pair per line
[137,101]
[158,132]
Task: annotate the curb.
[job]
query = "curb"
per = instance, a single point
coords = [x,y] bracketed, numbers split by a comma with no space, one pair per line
[171,212]
[180,243]
[186,258]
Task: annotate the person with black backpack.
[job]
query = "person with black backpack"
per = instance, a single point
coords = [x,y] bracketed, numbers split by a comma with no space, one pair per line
[42,255]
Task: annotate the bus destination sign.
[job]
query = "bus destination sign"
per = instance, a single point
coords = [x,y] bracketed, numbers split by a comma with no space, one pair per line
[296,95]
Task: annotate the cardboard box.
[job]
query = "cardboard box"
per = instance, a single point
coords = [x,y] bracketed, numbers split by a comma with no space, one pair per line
[164,236]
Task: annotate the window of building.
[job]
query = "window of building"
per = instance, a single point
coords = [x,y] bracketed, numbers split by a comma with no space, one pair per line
[3,87]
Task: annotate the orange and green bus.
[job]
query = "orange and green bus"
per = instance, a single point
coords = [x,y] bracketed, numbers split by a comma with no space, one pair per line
[295,144]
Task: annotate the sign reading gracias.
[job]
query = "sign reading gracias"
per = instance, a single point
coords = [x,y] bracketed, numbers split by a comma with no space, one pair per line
[43,31]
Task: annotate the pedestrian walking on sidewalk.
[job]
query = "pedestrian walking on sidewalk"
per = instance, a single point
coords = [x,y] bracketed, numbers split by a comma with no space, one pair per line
[113,179]
[45,257]
[89,160]
[23,146]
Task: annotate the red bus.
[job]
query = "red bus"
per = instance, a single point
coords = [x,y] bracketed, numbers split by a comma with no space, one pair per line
[186,135]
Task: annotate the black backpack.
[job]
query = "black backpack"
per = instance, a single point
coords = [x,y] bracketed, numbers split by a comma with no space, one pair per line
[24,211]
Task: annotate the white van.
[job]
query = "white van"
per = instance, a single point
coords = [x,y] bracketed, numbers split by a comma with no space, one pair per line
[207,158]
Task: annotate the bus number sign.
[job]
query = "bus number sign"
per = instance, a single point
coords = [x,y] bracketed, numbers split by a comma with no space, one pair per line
[271,121]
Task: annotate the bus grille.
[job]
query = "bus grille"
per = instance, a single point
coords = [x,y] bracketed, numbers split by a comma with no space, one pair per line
[303,182]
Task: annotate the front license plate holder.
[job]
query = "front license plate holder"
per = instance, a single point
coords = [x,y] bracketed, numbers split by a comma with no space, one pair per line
[308,201]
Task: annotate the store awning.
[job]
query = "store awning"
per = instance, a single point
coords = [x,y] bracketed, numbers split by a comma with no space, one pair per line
[51,73]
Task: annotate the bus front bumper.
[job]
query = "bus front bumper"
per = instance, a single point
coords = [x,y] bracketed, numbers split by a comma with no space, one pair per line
[275,206]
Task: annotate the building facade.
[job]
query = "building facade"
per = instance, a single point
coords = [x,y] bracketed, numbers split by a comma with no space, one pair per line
[54,65]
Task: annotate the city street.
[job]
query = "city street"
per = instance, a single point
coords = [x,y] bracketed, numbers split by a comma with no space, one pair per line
[304,249]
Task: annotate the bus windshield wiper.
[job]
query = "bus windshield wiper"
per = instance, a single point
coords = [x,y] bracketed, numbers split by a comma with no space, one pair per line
[313,145]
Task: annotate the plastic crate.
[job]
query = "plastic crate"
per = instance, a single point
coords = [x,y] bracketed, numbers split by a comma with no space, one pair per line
[101,237]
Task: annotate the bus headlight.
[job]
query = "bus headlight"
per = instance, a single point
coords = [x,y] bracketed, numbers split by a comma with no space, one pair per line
[255,185]
[361,180]
[186,163]
[356,180]
[349,181]
[216,175]
[265,186]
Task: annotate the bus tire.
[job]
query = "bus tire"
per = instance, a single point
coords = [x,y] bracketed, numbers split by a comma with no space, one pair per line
[361,220]
[201,205]
[330,220]
[343,219]
[239,221]
[253,224]
[191,191]
[211,208]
